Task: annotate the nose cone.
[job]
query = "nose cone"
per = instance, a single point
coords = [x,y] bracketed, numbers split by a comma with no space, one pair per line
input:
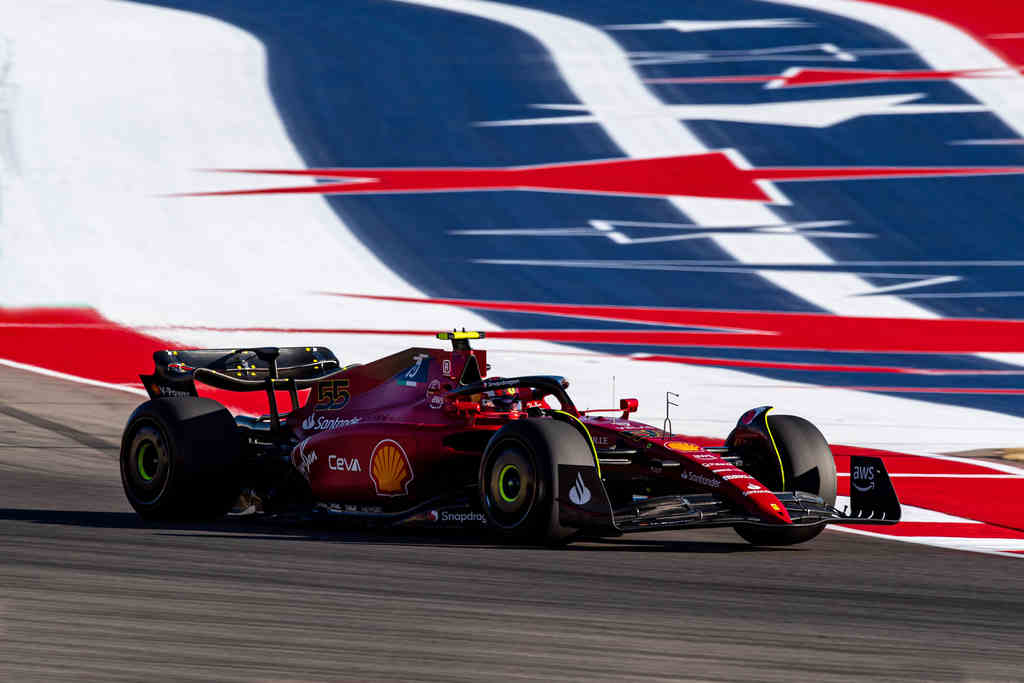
[763,502]
[709,470]
[771,508]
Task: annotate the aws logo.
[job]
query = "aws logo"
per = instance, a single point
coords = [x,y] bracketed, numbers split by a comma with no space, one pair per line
[863,478]
[390,469]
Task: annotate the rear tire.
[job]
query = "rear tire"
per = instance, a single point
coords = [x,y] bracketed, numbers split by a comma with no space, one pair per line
[517,479]
[180,458]
[808,466]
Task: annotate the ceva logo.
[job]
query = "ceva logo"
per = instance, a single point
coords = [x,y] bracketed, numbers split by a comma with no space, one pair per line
[342,464]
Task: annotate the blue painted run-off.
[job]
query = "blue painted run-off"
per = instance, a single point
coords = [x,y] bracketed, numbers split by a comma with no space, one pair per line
[379,84]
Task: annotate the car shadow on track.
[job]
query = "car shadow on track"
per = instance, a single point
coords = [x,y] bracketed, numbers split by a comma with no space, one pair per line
[327,532]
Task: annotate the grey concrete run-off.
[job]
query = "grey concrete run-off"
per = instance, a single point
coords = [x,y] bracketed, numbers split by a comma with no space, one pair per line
[88,592]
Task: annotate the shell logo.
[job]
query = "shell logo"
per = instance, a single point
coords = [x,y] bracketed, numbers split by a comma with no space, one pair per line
[390,469]
[682,446]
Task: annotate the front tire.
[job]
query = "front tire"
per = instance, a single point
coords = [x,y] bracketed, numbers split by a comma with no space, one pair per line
[179,459]
[807,465]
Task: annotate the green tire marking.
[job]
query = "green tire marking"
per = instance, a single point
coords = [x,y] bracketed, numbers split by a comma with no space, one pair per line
[501,483]
[146,476]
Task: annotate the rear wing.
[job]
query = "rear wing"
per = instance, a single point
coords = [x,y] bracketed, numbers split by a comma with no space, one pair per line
[266,368]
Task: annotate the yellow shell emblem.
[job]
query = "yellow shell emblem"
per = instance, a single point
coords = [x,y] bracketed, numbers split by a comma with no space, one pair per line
[682,446]
[390,469]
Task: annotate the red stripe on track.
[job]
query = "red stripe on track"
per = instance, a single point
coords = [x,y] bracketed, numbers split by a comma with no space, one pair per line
[98,349]
[995,501]
[758,329]
[983,19]
[912,464]
[819,367]
[934,390]
[800,77]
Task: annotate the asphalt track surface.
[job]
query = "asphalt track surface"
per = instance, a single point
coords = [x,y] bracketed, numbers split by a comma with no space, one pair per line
[88,592]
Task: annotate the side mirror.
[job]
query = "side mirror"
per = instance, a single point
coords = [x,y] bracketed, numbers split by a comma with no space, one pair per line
[627,406]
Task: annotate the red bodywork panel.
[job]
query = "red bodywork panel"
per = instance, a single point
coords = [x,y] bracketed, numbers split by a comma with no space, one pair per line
[387,435]
[373,434]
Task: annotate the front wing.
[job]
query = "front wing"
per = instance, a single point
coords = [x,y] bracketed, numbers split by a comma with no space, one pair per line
[707,511]
[872,499]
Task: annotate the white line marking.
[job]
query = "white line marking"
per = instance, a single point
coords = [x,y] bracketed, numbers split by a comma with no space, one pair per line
[959,543]
[809,113]
[921,540]
[998,466]
[630,263]
[782,53]
[933,475]
[685,26]
[965,295]
[72,378]
[991,141]
[684,231]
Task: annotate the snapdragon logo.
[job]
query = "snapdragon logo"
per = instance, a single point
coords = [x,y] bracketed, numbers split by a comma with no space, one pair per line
[462,517]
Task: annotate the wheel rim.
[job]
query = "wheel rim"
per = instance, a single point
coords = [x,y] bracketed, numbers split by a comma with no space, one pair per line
[511,484]
[147,461]
[146,467]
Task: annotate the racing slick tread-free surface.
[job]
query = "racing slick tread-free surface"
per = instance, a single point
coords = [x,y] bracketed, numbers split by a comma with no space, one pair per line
[203,459]
[90,592]
[809,466]
[545,443]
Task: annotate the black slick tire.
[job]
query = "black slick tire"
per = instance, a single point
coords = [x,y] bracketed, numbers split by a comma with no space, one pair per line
[517,479]
[180,459]
[808,466]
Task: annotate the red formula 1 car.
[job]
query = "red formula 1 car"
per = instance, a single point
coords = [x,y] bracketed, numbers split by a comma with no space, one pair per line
[421,437]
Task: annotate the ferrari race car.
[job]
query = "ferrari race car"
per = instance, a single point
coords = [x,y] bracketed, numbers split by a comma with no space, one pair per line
[423,437]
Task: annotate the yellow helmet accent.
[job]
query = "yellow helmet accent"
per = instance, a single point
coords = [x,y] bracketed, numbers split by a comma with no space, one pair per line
[453,335]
